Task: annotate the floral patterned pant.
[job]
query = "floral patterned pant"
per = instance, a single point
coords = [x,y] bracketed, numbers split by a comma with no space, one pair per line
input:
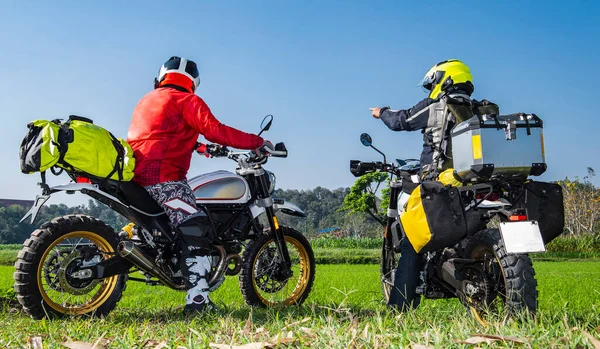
[176,198]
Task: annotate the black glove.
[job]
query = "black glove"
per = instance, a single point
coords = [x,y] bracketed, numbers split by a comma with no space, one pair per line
[265,149]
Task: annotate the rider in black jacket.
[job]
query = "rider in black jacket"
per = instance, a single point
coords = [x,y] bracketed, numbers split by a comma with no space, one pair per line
[448,82]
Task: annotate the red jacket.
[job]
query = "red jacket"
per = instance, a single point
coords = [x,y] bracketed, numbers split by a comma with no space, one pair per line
[164,130]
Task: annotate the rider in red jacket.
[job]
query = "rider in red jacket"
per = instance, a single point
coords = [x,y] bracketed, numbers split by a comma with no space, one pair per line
[163,133]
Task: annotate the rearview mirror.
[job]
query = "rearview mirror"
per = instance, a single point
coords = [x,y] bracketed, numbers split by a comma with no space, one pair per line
[366,140]
[265,125]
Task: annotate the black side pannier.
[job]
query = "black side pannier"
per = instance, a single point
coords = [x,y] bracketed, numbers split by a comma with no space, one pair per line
[543,203]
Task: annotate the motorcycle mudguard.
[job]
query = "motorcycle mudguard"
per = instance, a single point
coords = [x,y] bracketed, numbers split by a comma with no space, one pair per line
[279,205]
[71,188]
[39,202]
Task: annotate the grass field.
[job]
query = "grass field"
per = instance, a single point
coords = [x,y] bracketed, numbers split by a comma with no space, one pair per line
[323,255]
[344,310]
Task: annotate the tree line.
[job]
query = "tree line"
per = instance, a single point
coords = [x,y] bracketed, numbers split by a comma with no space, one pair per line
[339,212]
[321,205]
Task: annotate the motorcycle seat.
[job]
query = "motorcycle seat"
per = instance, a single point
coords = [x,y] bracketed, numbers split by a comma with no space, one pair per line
[135,195]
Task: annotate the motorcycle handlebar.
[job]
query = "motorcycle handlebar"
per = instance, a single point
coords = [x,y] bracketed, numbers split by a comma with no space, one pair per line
[216,150]
[359,168]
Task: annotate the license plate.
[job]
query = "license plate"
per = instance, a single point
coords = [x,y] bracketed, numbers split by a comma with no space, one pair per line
[522,237]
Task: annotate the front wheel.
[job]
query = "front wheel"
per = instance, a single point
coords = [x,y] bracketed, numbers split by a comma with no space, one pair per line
[387,269]
[501,282]
[261,280]
[47,281]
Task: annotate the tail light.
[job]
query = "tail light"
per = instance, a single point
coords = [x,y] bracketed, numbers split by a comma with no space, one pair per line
[517,218]
[82,180]
[491,197]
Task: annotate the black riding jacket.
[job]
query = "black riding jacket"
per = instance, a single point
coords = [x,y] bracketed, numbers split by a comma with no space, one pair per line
[432,118]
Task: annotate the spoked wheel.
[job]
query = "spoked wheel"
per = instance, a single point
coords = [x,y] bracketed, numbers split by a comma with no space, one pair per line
[261,279]
[387,269]
[501,283]
[48,280]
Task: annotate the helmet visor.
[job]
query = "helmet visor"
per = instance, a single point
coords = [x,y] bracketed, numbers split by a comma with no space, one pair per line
[192,69]
[427,83]
[172,64]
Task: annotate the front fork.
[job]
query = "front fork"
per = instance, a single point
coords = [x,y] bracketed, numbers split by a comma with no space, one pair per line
[276,232]
[392,214]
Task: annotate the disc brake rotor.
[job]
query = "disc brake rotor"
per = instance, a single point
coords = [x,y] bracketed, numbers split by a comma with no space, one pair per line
[267,275]
[67,282]
[51,268]
[480,289]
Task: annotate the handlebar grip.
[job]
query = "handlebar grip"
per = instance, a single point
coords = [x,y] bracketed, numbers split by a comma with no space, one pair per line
[279,152]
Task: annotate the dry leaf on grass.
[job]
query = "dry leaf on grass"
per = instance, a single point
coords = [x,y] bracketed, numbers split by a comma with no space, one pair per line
[154,344]
[489,338]
[35,342]
[421,346]
[594,341]
[503,338]
[308,332]
[256,345]
[365,332]
[475,340]
[79,345]
[194,331]
[248,327]
[296,323]
[285,338]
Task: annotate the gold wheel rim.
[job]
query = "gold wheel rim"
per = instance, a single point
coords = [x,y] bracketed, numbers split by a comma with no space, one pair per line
[107,286]
[300,285]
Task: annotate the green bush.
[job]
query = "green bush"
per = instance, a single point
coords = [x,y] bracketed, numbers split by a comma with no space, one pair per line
[570,244]
[352,243]
[10,247]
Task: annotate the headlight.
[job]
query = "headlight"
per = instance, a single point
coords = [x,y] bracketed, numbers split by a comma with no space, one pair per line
[272,181]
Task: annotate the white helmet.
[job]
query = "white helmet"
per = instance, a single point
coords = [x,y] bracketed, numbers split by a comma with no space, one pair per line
[181,66]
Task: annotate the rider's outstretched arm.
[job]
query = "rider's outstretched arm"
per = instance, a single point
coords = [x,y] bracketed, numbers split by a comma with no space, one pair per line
[412,119]
[198,115]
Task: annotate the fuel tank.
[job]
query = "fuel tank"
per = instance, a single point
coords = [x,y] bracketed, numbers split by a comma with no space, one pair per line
[220,187]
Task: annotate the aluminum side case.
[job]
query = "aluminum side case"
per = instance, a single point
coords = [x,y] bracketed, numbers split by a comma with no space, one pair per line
[498,146]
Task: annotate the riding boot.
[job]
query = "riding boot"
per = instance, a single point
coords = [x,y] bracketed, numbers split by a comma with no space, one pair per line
[404,293]
[196,270]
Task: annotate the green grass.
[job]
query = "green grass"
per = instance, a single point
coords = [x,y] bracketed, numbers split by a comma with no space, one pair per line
[345,299]
[362,256]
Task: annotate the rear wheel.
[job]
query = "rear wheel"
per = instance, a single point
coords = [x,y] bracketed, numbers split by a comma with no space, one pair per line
[47,282]
[261,280]
[501,282]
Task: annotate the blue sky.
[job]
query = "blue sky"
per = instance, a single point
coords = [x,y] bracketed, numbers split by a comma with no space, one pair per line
[317,66]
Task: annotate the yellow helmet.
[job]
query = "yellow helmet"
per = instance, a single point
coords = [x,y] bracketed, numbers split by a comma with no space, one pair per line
[445,75]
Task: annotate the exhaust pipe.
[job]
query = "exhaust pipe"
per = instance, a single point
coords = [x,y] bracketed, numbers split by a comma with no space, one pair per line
[129,251]
[238,264]
[223,265]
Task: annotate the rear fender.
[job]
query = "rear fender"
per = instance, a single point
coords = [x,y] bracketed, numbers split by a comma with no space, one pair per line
[71,188]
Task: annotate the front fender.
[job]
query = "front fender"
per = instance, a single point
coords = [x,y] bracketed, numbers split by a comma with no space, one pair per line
[279,205]
[288,208]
